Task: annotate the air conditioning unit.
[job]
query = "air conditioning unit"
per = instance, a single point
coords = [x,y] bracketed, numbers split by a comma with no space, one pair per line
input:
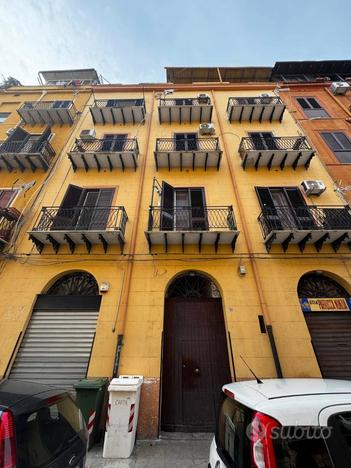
[265,98]
[87,134]
[203,98]
[206,129]
[313,187]
[339,87]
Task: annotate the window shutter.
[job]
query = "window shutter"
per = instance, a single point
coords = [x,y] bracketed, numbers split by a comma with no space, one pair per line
[100,216]
[167,207]
[264,197]
[72,197]
[68,213]
[303,103]
[5,197]
[198,214]
[18,135]
[295,197]
[45,135]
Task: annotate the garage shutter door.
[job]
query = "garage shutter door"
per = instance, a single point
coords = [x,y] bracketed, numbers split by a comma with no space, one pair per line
[331,339]
[57,344]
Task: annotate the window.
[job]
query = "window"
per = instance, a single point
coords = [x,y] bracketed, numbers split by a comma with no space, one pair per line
[301,447]
[61,104]
[263,140]
[340,442]
[185,141]
[284,208]
[114,142]
[312,108]
[84,208]
[183,209]
[340,144]
[6,196]
[233,444]
[3,116]
[44,434]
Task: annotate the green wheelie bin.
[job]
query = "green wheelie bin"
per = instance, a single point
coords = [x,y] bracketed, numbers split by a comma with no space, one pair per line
[91,399]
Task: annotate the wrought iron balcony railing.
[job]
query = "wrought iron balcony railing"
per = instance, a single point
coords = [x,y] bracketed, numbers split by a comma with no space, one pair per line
[170,102]
[208,225]
[45,105]
[24,152]
[254,101]
[106,145]
[119,103]
[198,144]
[55,218]
[314,224]
[119,111]
[297,143]
[192,218]
[48,112]
[275,151]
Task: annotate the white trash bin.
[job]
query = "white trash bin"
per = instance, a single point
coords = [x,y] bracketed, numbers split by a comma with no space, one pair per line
[123,409]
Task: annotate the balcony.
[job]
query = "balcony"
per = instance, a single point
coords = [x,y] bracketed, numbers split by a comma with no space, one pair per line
[48,112]
[104,154]
[29,153]
[118,111]
[182,110]
[255,109]
[192,226]
[8,220]
[275,152]
[87,226]
[315,225]
[198,153]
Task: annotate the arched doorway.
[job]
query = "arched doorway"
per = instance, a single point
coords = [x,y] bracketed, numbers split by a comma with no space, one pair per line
[57,344]
[326,306]
[195,361]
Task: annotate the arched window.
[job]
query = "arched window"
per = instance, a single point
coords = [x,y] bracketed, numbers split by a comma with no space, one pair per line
[319,285]
[193,285]
[79,283]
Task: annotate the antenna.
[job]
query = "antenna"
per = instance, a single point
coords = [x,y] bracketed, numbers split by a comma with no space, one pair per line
[252,372]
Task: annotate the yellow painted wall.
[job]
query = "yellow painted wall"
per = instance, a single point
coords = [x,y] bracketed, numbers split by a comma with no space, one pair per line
[279,272]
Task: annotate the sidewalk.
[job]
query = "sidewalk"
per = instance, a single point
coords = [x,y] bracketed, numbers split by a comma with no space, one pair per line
[189,451]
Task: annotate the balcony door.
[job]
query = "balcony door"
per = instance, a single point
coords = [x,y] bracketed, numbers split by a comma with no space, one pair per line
[263,140]
[183,209]
[84,209]
[114,142]
[185,141]
[284,207]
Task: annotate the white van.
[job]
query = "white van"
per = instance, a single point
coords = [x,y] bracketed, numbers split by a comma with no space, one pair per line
[284,423]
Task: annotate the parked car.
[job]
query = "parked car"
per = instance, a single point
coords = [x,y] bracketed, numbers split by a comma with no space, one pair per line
[284,423]
[40,427]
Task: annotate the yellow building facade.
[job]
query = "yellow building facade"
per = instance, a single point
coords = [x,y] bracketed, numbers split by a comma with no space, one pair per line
[183,242]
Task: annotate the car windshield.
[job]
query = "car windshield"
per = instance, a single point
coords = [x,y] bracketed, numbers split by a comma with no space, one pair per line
[44,433]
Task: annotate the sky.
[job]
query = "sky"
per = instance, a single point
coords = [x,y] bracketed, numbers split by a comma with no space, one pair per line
[131,41]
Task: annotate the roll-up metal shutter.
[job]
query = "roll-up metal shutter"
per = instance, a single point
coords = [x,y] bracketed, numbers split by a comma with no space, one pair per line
[331,340]
[57,344]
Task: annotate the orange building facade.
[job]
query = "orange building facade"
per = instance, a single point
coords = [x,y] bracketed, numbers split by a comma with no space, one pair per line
[325,119]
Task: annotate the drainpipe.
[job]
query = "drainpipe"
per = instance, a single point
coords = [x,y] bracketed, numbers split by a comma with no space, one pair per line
[241,210]
[128,274]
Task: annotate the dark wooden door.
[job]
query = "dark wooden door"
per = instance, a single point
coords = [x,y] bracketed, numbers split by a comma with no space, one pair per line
[331,340]
[195,364]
